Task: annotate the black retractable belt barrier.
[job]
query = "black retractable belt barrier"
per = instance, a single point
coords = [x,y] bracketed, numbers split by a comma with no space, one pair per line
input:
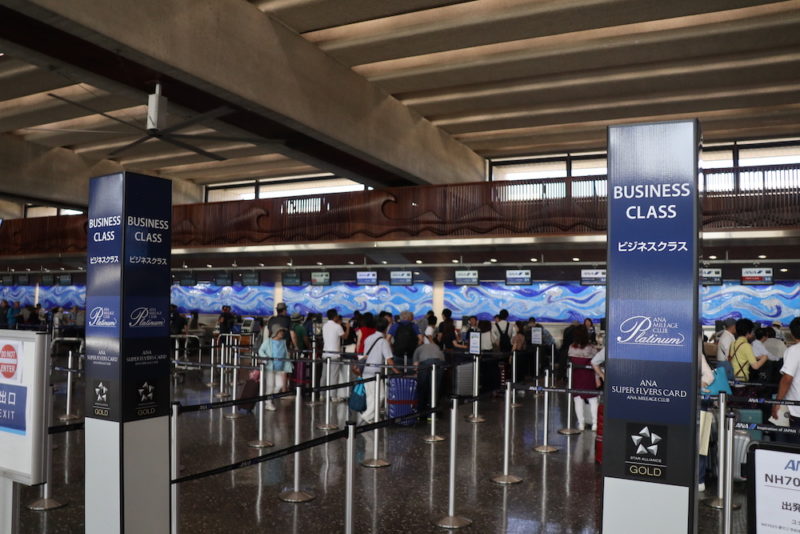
[58,429]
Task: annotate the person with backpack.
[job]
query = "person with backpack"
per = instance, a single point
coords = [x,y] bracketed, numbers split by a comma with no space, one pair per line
[502,332]
[404,337]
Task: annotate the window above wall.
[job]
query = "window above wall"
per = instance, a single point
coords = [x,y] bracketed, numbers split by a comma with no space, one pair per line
[295,186]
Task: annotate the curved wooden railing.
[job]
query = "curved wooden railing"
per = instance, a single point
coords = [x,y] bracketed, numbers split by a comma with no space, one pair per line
[553,206]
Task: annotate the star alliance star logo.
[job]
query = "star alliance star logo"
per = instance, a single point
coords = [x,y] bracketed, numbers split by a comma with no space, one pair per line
[646,442]
[146,392]
[101,392]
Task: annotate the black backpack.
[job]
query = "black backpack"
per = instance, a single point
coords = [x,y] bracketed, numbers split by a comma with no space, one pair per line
[505,341]
[405,340]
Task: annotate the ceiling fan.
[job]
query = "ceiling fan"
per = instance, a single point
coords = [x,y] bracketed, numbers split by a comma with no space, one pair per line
[156,126]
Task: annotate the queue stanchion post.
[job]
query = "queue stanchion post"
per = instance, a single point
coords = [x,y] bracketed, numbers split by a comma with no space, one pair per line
[433,437]
[211,383]
[718,502]
[68,415]
[552,363]
[545,447]
[47,502]
[475,417]
[296,495]
[514,403]
[223,360]
[314,400]
[261,442]
[234,413]
[727,517]
[174,462]
[376,461]
[568,430]
[537,370]
[349,475]
[327,425]
[451,520]
[506,479]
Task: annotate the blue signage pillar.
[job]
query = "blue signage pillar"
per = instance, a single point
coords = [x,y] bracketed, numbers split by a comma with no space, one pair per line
[650,427]
[127,354]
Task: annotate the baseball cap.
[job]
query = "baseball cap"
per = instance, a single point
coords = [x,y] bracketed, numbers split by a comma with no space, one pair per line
[296,317]
[280,306]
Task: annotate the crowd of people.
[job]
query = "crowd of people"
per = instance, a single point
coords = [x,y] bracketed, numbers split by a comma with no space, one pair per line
[64,323]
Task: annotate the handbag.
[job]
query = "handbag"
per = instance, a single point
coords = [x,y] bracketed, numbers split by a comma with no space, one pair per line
[358,397]
[720,383]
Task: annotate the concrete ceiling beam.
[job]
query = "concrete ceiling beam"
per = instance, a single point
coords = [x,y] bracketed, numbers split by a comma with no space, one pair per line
[337,119]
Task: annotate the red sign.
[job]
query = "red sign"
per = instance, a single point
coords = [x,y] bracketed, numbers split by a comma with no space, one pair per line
[8,361]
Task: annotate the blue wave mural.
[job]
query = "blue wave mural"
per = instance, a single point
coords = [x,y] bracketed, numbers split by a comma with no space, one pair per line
[63,296]
[780,301]
[347,298]
[243,300]
[24,294]
[547,301]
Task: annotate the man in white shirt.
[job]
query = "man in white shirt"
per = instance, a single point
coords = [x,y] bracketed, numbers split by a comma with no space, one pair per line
[775,346]
[332,335]
[377,351]
[724,343]
[789,386]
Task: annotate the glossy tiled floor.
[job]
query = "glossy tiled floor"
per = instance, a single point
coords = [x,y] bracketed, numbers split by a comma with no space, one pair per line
[560,492]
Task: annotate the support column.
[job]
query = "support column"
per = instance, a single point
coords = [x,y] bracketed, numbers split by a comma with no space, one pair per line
[127,355]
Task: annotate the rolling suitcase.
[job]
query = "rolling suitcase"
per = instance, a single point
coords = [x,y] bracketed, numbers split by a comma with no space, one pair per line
[301,375]
[462,378]
[401,397]
[752,416]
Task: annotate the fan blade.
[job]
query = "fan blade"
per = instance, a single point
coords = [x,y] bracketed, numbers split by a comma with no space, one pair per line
[87,108]
[129,145]
[187,146]
[251,140]
[208,115]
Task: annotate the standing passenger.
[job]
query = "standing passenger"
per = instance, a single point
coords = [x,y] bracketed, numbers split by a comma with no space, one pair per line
[332,335]
[581,353]
[724,343]
[377,352]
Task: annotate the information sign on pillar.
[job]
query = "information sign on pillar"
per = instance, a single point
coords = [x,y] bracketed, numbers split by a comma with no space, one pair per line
[650,428]
[127,354]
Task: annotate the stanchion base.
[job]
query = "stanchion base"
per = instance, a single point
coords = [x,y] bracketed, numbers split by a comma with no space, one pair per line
[327,426]
[260,444]
[42,505]
[235,415]
[569,431]
[719,504]
[375,463]
[546,448]
[506,480]
[222,395]
[68,417]
[475,418]
[433,438]
[296,496]
[453,521]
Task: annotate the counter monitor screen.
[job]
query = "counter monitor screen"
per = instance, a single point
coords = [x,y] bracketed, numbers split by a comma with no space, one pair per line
[593,277]
[8,279]
[65,279]
[291,279]
[188,280]
[518,278]
[23,280]
[467,278]
[321,278]
[251,279]
[401,278]
[757,276]
[367,278]
[222,280]
[711,277]
[47,280]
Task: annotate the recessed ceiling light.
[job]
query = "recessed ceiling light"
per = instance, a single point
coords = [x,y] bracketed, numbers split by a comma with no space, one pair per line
[260,264]
[712,257]
[493,260]
[416,272]
[534,259]
[351,262]
[384,262]
[60,268]
[784,270]
[208,265]
[28,269]
[419,261]
[319,263]
[289,263]
[576,259]
[762,256]
[454,261]
[12,270]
